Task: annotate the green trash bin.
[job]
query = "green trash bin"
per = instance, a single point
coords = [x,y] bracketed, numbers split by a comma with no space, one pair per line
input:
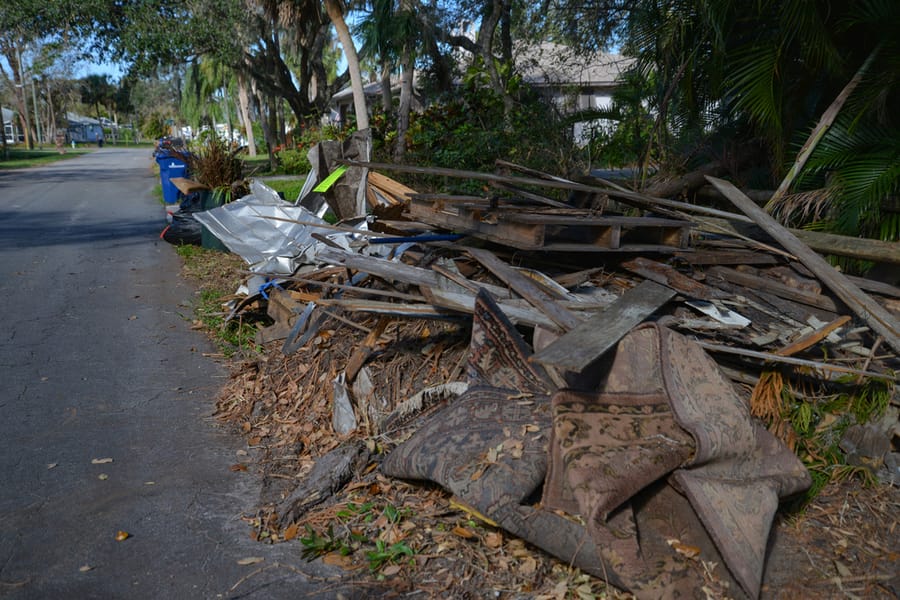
[212,199]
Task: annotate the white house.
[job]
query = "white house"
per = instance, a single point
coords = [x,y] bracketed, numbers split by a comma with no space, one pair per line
[573,81]
[10,129]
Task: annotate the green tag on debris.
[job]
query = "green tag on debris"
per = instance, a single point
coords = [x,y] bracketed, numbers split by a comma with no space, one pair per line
[326,183]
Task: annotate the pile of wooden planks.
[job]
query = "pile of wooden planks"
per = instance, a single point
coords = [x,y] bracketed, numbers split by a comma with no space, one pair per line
[585,277]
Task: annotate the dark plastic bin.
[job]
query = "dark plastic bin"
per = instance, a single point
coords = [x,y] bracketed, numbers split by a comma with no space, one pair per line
[211,199]
[169,167]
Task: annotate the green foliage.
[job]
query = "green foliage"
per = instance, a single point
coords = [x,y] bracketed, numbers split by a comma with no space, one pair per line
[315,545]
[232,336]
[216,166]
[820,422]
[360,528]
[154,126]
[293,161]
[470,130]
[624,136]
[291,188]
[20,158]
[385,554]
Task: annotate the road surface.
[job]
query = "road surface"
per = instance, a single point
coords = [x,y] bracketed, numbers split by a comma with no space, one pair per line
[105,404]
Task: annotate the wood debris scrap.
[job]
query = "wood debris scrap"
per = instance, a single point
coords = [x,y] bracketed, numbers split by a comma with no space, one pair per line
[574,280]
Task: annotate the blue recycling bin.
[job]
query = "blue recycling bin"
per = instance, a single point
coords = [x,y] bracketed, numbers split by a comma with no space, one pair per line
[170,166]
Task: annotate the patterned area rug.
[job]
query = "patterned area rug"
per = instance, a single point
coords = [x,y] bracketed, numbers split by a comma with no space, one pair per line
[658,469]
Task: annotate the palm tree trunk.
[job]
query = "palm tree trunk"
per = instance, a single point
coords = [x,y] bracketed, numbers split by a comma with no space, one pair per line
[406,89]
[336,14]
[387,100]
[818,133]
[244,101]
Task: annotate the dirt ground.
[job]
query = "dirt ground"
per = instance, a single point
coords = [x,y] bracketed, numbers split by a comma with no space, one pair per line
[406,539]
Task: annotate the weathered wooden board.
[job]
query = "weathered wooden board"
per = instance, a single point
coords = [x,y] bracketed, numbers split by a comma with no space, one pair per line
[700,256]
[781,290]
[397,271]
[187,186]
[878,318]
[571,229]
[580,347]
[526,288]
[668,276]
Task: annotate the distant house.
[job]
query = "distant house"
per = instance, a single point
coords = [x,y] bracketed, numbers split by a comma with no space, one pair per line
[10,129]
[83,130]
[341,103]
[573,81]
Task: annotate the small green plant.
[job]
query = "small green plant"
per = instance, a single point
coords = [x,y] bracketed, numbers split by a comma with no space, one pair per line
[819,423]
[230,336]
[315,545]
[361,528]
[383,554]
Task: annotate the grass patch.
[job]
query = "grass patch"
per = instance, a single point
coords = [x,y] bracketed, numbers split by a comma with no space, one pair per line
[256,165]
[289,187]
[219,274]
[22,158]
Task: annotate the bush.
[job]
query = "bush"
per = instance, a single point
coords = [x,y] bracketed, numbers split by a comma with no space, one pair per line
[471,129]
[294,162]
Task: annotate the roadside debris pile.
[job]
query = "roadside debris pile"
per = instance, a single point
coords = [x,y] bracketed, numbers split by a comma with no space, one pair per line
[628,393]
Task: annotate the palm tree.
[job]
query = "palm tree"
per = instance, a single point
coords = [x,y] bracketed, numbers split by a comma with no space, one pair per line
[394,33]
[335,11]
[770,69]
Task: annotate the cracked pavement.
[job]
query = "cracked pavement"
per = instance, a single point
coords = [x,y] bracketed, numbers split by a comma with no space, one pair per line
[97,363]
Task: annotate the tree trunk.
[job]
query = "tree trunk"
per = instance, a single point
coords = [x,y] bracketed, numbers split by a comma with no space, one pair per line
[406,91]
[336,14]
[244,101]
[485,43]
[387,99]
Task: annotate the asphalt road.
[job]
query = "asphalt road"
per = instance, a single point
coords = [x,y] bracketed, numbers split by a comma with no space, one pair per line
[97,362]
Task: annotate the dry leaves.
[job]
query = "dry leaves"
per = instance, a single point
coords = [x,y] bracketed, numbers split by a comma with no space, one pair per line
[250,560]
[121,536]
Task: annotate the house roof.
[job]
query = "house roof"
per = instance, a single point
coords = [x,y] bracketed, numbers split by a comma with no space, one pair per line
[76,119]
[549,63]
[8,115]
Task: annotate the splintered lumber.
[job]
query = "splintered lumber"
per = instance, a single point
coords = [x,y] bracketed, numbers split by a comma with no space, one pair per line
[551,229]
[826,243]
[397,271]
[877,317]
[782,290]
[526,288]
[465,303]
[410,311]
[668,276]
[634,198]
[390,187]
[790,360]
[580,347]
[814,338]
[699,256]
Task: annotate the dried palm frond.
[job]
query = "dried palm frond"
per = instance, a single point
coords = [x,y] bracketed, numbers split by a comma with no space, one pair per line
[794,210]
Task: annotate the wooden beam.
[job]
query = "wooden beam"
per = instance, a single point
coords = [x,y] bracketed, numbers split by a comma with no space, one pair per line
[526,288]
[782,290]
[580,347]
[826,243]
[877,317]
[790,360]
